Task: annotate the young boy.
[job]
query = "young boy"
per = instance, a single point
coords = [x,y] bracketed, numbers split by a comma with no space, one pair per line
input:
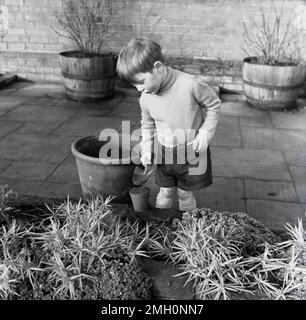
[182,111]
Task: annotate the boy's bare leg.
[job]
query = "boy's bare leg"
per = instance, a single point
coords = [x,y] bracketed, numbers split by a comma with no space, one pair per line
[164,198]
[186,200]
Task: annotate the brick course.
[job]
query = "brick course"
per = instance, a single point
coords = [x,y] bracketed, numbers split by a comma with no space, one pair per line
[201,37]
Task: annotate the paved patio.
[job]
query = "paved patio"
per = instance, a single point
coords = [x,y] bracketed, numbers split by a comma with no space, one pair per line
[258,157]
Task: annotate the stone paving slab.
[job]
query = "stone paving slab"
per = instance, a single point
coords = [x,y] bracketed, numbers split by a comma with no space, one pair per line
[296,158]
[4,164]
[28,171]
[64,102]
[43,189]
[8,126]
[289,120]
[226,140]
[299,177]
[44,101]
[275,214]
[33,113]
[52,90]
[35,148]
[270,190]
[11,102]
[94,111]
[66,172]
[249,163]
[225,194]
[7,92]
[90,125]
[273,139]
[127,110]
[262,122]
[228,125]
[240,109]
[38,128]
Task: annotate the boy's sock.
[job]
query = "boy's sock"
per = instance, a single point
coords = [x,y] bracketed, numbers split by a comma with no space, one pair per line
[186,200]
[164,198]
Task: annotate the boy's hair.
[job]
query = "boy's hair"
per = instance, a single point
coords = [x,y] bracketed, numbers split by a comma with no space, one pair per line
[138,56]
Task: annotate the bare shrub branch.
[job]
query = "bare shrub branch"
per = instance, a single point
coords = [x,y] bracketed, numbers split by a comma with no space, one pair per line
[274,39]
[85,23]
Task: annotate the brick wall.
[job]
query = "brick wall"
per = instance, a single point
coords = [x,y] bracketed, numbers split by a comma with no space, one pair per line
[199,36]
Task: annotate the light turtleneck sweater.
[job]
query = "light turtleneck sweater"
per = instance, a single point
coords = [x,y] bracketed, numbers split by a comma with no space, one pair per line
[184,101]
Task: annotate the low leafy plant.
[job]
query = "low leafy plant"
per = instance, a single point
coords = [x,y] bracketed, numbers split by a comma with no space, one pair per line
[81,251]
[249,234]
[85,251]
[213,250]
[294,253]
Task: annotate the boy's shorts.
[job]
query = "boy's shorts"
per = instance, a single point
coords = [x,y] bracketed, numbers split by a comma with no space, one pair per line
[170,175]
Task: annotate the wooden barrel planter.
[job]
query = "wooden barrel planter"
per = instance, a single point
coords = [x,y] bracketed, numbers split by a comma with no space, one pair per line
[272,87]
[89,78]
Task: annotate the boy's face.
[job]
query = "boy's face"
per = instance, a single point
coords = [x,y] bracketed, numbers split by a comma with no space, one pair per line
[149,82]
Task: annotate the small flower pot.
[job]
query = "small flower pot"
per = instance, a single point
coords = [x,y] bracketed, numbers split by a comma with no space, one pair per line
[140,198]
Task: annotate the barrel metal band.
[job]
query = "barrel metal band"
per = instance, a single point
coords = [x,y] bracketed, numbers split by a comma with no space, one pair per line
[77,77]
[267,86]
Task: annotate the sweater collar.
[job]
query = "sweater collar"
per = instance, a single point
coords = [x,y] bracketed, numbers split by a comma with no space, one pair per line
[169,80]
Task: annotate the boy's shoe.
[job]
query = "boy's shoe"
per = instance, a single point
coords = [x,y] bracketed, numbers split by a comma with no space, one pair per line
[163,202]
[188,204]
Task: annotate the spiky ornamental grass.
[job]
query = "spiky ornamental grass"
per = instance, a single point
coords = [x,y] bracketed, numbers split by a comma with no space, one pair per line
[82,251]
[212,254]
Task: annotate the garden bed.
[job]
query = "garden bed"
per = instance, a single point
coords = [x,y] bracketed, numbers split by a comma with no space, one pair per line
[101,250]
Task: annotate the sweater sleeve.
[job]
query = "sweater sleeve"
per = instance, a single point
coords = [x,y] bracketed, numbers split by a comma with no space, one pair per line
[147,128]
[210,102]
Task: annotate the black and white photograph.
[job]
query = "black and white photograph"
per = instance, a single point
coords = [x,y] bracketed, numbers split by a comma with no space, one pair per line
[152,154]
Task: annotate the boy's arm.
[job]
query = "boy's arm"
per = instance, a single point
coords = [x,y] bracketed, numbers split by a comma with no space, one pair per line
[147,129]
[208,99]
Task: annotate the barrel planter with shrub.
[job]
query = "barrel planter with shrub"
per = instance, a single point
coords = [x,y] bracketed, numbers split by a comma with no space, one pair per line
[89,69]
[273,71]
[272,87]
[88,77]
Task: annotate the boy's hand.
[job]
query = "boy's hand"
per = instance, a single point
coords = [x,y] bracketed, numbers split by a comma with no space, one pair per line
[146,159]
[200,142]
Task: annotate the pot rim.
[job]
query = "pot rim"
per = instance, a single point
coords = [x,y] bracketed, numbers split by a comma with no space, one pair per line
[106,53]
[134,159]
[292,65]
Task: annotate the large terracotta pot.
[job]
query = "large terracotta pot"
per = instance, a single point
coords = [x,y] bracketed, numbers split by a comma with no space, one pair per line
[102,176]
[272,87]
[89,78]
